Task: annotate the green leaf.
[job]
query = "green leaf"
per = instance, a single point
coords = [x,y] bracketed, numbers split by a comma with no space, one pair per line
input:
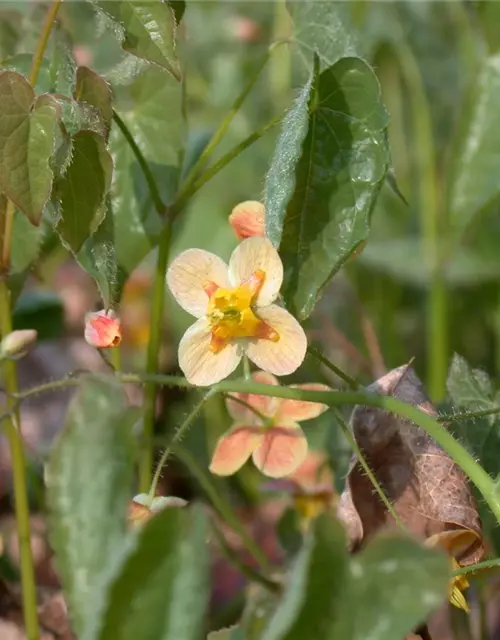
[21,62]
[10,32]
[471,390]
[89,479]
[335,178]
[148,30]
[327,589]
[489,17]
[62,69]
[40,310]
[404,260]
[155,121]
[317,578]
[396,584]
[79,194]
[27,134]
[98,258]
[93,89]
[162,589]
[474,185]
[324,28]
[179,8]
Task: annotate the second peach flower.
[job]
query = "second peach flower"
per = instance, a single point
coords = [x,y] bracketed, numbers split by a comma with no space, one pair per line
[268,431]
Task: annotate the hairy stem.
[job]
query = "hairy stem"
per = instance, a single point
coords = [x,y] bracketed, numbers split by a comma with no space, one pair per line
[180,433]
[366,467]
[351,382]
[432,426]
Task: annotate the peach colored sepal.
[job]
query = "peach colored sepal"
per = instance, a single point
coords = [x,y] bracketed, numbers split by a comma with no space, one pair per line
[248,219]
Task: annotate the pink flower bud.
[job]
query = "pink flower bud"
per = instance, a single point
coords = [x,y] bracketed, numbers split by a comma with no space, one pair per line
[102,329]
[245,29]
[18,343]
[247,219]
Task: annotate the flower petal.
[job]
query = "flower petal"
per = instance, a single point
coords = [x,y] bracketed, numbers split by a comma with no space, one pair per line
[234,448]
[287,354]
[200,365]
[281,451]
[255,254]
[298,410]
[188,274]
[264,404]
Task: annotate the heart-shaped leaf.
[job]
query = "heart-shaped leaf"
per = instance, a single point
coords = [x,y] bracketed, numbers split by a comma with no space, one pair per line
[321,186]
[324,28]
[79,194]
[148,30]
[94,90]
[27,138]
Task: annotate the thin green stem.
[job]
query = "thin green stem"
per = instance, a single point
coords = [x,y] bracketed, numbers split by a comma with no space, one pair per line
[179,434]
[29,595]
[36,63]
[115,357]
[155,333]
[207,152]
[22,510]
[467,415]
[247,374]
[222,506]
[212,171]
[143,163]
[366,467]
[337,398]
[431,223]
[353,384]
[479,566]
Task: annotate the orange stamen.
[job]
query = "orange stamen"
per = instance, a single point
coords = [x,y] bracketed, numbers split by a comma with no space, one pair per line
[210,288]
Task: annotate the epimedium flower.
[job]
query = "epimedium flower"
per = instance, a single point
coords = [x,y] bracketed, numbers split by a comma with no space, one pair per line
[235,311]
[248,219]
[270,433]
[102,329]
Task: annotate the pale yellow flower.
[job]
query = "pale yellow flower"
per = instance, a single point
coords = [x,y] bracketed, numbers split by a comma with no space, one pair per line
[235,313]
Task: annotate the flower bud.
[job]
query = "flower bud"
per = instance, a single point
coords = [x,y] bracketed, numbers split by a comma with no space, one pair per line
[18,343]
[142,507]
[247,219]
[102,329]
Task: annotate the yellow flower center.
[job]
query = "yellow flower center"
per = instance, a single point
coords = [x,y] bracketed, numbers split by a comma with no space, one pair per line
[231,316]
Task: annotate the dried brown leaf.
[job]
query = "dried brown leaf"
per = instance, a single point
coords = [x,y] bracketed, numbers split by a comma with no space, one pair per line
[429,491]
